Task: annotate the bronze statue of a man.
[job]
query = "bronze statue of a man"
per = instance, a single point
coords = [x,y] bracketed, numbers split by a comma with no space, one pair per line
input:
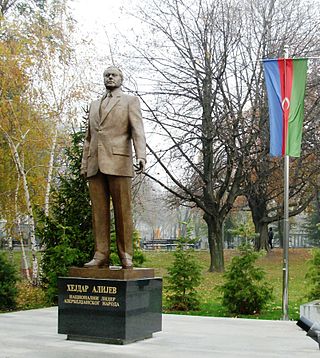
[115,122]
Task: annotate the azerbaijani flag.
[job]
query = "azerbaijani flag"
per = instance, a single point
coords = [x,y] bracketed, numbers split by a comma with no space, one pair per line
[286,82]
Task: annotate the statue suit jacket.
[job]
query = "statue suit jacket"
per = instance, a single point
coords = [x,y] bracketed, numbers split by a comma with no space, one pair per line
[110,134]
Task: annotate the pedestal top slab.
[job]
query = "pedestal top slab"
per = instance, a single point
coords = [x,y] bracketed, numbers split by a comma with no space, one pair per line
[113,272]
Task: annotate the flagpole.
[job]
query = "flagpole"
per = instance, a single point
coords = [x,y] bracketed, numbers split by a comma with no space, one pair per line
[285,295]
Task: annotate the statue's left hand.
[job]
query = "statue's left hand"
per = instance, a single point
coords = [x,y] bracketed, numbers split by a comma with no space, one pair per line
[141,166]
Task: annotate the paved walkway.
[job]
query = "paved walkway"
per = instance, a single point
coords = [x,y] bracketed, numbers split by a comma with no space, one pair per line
[33,334]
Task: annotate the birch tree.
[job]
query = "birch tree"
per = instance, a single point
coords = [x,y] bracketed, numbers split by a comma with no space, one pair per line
[58,80]
[19,129]
[22,173]
[28,122]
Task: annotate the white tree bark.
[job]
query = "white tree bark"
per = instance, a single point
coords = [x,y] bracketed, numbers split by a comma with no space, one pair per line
[18,223]
[50,171]
[20,168]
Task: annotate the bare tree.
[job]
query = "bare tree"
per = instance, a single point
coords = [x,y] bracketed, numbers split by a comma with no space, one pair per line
[207,106]
[198,114]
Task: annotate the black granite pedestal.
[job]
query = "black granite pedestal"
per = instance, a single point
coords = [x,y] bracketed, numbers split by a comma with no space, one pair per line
[109,310]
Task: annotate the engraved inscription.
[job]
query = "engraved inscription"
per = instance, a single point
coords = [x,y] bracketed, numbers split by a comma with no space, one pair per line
[104,289]
[109,301]
[77,288]
[89,298]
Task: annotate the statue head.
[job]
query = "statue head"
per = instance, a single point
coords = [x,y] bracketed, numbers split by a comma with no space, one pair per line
[113,77]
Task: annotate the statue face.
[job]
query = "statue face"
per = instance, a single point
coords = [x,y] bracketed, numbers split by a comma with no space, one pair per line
[112,78]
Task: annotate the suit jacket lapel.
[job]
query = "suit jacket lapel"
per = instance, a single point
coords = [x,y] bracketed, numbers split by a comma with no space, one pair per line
[112,102]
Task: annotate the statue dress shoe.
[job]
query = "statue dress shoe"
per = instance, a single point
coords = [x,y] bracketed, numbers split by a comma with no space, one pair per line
[127,264]
[97,263]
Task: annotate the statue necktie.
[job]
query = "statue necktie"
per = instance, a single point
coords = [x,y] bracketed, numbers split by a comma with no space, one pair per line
[106,101]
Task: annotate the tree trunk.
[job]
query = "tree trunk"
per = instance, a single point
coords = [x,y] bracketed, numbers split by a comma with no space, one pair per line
[258,210]
[50,171]
[215,243]
[263,237]
[26,268]
[280,231]
[18,223]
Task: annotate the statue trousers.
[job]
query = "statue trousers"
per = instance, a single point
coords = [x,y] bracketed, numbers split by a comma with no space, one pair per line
[101,188]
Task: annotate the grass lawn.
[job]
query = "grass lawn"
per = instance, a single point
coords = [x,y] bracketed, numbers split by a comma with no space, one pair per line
[270,262]
[210,296]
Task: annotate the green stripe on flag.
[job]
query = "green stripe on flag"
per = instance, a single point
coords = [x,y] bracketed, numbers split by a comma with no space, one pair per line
[296,112]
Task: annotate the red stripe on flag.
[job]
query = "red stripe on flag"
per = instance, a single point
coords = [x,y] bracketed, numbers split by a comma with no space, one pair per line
[286,78]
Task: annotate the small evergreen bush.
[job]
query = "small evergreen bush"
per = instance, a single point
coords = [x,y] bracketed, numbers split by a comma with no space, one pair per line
[30,296]
[57,258]
[8,281]
[245,291]
[313,275]
[138,255]
[184,277]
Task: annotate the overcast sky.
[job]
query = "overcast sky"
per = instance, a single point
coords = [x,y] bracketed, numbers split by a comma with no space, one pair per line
[102,21]
[96,17]
[95,13]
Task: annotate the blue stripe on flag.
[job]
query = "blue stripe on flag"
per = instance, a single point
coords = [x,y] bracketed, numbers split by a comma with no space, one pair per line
[272,77]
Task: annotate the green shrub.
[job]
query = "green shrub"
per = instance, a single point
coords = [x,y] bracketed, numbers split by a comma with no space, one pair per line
[56,261]
[138,255]
[8,280]
[313,275]
[30,296]
[244,290]
[184,277]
